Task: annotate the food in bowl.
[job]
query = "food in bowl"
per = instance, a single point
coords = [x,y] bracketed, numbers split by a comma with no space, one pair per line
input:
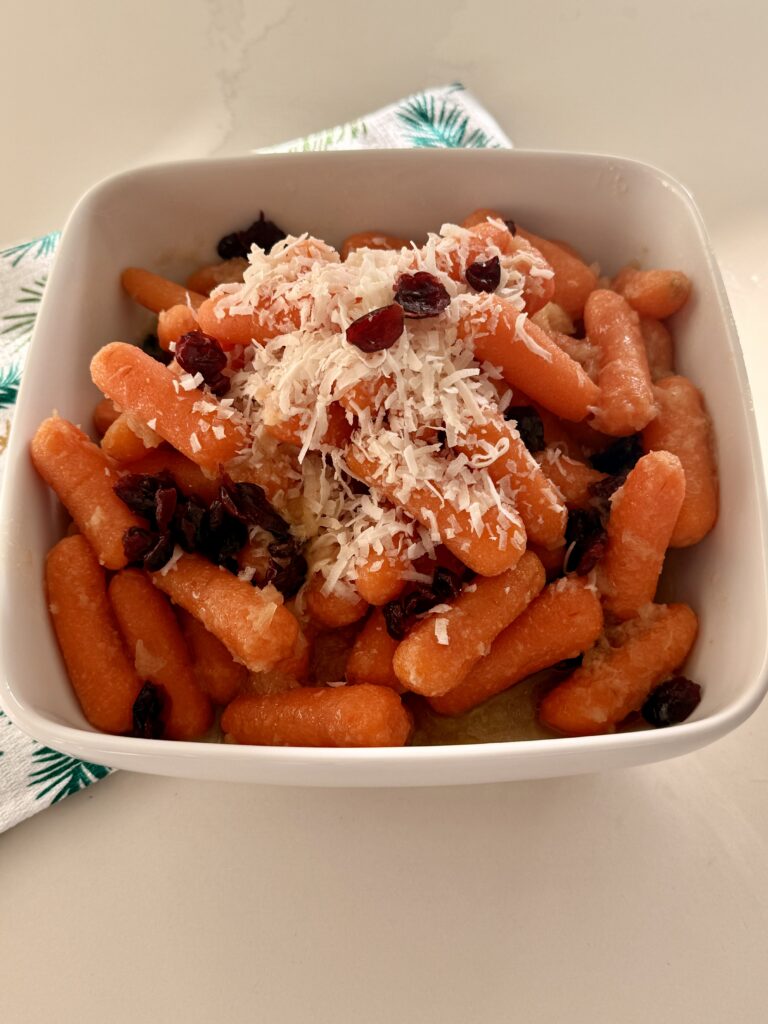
[450,465]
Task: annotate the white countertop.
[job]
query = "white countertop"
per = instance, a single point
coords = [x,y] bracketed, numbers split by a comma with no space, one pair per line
[638,897]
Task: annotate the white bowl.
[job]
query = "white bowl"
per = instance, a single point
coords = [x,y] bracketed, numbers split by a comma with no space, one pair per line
[168,218]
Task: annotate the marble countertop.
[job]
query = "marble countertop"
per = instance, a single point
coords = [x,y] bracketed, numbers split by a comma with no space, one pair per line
[638,896]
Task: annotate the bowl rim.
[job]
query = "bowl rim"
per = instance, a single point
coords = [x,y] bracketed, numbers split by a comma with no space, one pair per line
[87,742]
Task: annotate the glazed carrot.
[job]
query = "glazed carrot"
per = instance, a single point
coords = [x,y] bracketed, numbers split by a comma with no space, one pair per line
[483,553]
[127,440]
[155,292]
[659,347]
[151,392]
[367,395]
[83,478]
[615,680]
[626,402]
[186,475]
[161,657]
[173,322]
[216,671]
[335,609]
[684,428]
[538,503]
[232,329]
[656,293]
[337,432]
[371,240]
[564,620]
[643,515]
[551,560]
[104,415]
[480,217]
[370,660]
[320,716]
[380,576]
[442,647]
[101,673]
[251,623]
[207,278]
[574,280]
[530,359]
[571,477]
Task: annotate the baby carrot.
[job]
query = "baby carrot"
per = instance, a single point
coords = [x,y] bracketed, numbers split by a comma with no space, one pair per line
[83,478]
[335,609]
[337,432]
[496,549]
[683,428]
[101,673]
[161,657]
[189,477]
[615,679]
[123,442]
[173,322]
[371,240]
[251,623]
[574,280]
[441,648]
[659,347]
[564,620]
[529,359]
[367,395]
[537,501]
[151,392]
[626,402]
[104,415]
[233,329]
[571,477]
[370,660]
[656,293]
[552,560]
[216,671]
[380,576]
[320,716]
[643,515]
[207,278]
[155,292]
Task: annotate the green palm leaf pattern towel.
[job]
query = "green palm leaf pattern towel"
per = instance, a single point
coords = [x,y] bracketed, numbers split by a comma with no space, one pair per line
[32,776]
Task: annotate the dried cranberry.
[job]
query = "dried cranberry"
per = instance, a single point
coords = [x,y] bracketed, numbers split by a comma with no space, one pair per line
[158,555]
[166,499]
[511,227]
[378,329]
[399,614]
[484,275]
[584,531]
[139,492]
[620,456]
[151,346]
[421,295]
[148,710]
[445,585]
[395,620]
[287,567]
[187,522]
[200,353]
[671,702]
[249,503]
[529,426]
[262,232]
[221,535]
[138,542]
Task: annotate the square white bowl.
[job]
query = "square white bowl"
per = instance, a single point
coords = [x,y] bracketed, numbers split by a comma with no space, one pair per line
[168,218]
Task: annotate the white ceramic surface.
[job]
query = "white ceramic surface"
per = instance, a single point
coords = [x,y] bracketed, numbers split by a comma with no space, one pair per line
[168,218]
